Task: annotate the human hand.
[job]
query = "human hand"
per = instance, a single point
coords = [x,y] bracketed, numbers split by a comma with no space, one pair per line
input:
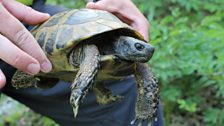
[126,11]
[17,46]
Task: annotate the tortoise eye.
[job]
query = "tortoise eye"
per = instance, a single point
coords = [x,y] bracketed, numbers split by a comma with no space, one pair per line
[95,1]
[139,46]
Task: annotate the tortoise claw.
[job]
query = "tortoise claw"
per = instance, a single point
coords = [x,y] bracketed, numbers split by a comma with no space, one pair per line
[75,100]
[149,123]
[133,121]
[141,122]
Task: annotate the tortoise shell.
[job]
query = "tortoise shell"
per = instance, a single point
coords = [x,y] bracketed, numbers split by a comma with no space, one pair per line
[63,31]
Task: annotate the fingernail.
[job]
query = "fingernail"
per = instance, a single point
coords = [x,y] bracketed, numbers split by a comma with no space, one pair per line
[48,15]
[46,66]
[2,79]
[33,68]
[90,5]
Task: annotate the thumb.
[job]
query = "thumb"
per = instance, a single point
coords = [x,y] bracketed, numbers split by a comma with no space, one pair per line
[95,5]
[91,5]
[2,79]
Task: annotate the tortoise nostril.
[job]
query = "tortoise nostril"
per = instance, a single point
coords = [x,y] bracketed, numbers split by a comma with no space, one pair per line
[139,46]
[152,50]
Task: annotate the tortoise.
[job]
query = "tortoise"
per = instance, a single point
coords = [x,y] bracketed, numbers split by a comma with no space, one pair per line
[88,47]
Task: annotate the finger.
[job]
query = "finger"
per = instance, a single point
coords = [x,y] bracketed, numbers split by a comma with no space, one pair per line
[24,13]
[14,56]
[17,33]
[112,8]
[103,5]
[142,26]
[139,24]
[2,79]
[128,14]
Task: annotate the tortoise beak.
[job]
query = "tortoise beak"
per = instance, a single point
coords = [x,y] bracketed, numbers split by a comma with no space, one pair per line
[147,52]
[150,51]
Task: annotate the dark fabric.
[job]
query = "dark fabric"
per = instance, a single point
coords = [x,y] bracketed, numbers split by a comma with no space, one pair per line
[54,102]
[37,4]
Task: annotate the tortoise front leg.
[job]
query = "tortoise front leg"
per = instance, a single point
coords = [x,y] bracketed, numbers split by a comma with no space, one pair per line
[89,66]
[147,96]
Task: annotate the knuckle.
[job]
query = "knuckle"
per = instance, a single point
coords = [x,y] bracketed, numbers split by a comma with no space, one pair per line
[22,37]
[17,59]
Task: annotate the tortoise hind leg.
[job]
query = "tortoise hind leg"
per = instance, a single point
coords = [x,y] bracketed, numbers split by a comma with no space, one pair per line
[89,66]
[104,95]
[147,96]
[23,80]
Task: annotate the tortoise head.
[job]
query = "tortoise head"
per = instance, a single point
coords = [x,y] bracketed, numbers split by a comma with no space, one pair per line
[132,49]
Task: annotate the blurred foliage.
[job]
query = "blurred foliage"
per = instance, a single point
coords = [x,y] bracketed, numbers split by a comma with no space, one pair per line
[194,49]
[13,113]
[189,40]
[189,58]
[68,3]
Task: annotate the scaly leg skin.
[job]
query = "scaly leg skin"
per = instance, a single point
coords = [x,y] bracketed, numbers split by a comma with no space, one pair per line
[23,80]
[89,66]
[104,95]
[147,96]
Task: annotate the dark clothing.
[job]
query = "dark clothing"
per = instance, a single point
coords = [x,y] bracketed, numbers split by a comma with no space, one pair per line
[54,102]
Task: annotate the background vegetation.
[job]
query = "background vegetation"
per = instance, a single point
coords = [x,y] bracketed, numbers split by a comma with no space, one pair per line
[189,61]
